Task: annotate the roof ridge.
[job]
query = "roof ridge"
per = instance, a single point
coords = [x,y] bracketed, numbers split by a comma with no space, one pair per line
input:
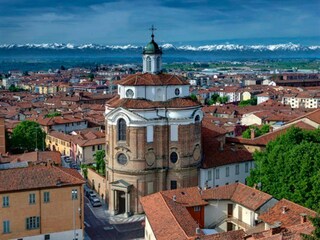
[298,205]
[61,170]
[163,198]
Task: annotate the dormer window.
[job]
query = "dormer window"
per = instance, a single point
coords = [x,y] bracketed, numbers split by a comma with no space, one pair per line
[129,93]
[177,91]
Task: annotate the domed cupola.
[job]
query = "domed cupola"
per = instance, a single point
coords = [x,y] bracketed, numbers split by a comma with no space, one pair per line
[152,60]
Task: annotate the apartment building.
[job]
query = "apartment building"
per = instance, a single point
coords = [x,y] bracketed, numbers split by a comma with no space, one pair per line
[41,202]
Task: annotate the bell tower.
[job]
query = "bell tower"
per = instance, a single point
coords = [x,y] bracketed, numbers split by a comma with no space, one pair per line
[152,56]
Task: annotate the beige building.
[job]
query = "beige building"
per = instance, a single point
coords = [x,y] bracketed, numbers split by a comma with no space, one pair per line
[41,202]
[153,135]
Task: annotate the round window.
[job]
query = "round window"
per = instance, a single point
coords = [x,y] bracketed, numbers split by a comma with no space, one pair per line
[122,159]
[129,93]
[177,91]
[173,157]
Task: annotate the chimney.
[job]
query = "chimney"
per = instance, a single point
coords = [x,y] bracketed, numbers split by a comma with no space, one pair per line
[252,130]
[174,198]
[284,209]
[221,146]
[303,218]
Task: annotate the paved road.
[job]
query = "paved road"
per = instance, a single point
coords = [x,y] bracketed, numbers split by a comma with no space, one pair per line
[97,225]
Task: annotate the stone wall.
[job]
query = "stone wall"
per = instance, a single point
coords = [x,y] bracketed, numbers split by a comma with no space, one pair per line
[97,182]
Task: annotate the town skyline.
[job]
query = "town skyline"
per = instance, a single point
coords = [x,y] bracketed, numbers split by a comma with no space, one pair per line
[124,22]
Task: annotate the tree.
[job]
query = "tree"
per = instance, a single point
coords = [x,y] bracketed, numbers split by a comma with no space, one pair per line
[99,159]
[13,88]
[289,167]
[249,102]
[27,135]
[214,98]
[257,132]
[223,99]
[193,97]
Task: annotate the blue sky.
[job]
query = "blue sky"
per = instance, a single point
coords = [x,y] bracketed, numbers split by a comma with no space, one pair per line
[127,21]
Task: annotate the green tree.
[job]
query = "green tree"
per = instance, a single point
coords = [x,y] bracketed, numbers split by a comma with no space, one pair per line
[27,135]
[265,129]
[91,76]
[223,99]
[99,159]
[289,167]
[214,98]
[13,88]
[315,235]
[193,97]
[249,102]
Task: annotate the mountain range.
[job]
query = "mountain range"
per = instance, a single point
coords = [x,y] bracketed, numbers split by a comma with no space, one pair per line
[168,47]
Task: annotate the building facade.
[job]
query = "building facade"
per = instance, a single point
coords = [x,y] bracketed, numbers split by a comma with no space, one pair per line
[43,202]
[153,135]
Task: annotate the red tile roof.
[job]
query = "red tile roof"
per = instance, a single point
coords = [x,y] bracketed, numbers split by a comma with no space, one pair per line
[290,217]
[168,219]
[37,177]
[130,103]
[148,79]
[246,196]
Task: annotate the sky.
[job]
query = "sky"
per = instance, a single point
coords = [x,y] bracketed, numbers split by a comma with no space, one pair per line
[128,21]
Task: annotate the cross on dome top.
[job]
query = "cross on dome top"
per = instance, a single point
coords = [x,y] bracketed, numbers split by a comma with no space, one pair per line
[152,29]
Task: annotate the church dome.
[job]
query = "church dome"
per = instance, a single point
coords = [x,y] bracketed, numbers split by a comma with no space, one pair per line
[152,48]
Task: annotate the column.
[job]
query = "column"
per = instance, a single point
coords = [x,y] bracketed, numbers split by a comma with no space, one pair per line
[126,202]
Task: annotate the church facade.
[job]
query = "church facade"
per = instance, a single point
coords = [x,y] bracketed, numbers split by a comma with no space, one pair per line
[153,135]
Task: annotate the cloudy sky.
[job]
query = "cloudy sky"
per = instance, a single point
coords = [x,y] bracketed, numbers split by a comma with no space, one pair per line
[127,21]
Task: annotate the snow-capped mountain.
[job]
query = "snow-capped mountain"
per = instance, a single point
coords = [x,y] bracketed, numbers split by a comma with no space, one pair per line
[168,46]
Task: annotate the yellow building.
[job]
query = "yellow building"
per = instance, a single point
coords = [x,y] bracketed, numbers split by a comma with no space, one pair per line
[58,141]
[41,202]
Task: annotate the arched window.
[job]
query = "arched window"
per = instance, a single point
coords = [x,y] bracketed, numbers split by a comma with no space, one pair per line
[122,130]
[158,64]
[173,157]
[148,64]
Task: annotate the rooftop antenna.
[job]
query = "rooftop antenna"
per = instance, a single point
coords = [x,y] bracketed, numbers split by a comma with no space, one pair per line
[152,29]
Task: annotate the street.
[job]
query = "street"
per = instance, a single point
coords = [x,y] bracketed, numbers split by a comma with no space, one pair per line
[97,225]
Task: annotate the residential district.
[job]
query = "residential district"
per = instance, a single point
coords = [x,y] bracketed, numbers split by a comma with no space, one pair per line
[135,152]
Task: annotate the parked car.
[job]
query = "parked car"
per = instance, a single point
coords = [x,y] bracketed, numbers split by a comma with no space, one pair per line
[95,202]
[92,195]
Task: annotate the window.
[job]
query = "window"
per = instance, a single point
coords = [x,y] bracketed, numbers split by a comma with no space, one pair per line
[46,197]
[32,223]
[74,194]
[158,64]
[122,159]
[129,93]
[217,173]
[148,64]
[227,172]
[197,209]
[247,167]
[93,148]
[32,198]
[6,226]
[237,169]
[99,147]
[122,130]
[5,201]
[177,91]
[173,157]
[209,175]
[173,184]
[47,237]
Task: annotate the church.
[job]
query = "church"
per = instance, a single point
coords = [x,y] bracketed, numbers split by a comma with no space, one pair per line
[153,135]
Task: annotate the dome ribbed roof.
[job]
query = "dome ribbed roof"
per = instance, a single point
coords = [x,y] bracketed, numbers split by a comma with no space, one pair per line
[152,47]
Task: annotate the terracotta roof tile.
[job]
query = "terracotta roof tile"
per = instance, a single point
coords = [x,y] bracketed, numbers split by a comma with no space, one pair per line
[36,177]
[148,79]
[239,193]
[130,103]
[291,215]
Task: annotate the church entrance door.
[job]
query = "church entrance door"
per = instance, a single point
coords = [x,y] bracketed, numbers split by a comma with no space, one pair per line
[121,202]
